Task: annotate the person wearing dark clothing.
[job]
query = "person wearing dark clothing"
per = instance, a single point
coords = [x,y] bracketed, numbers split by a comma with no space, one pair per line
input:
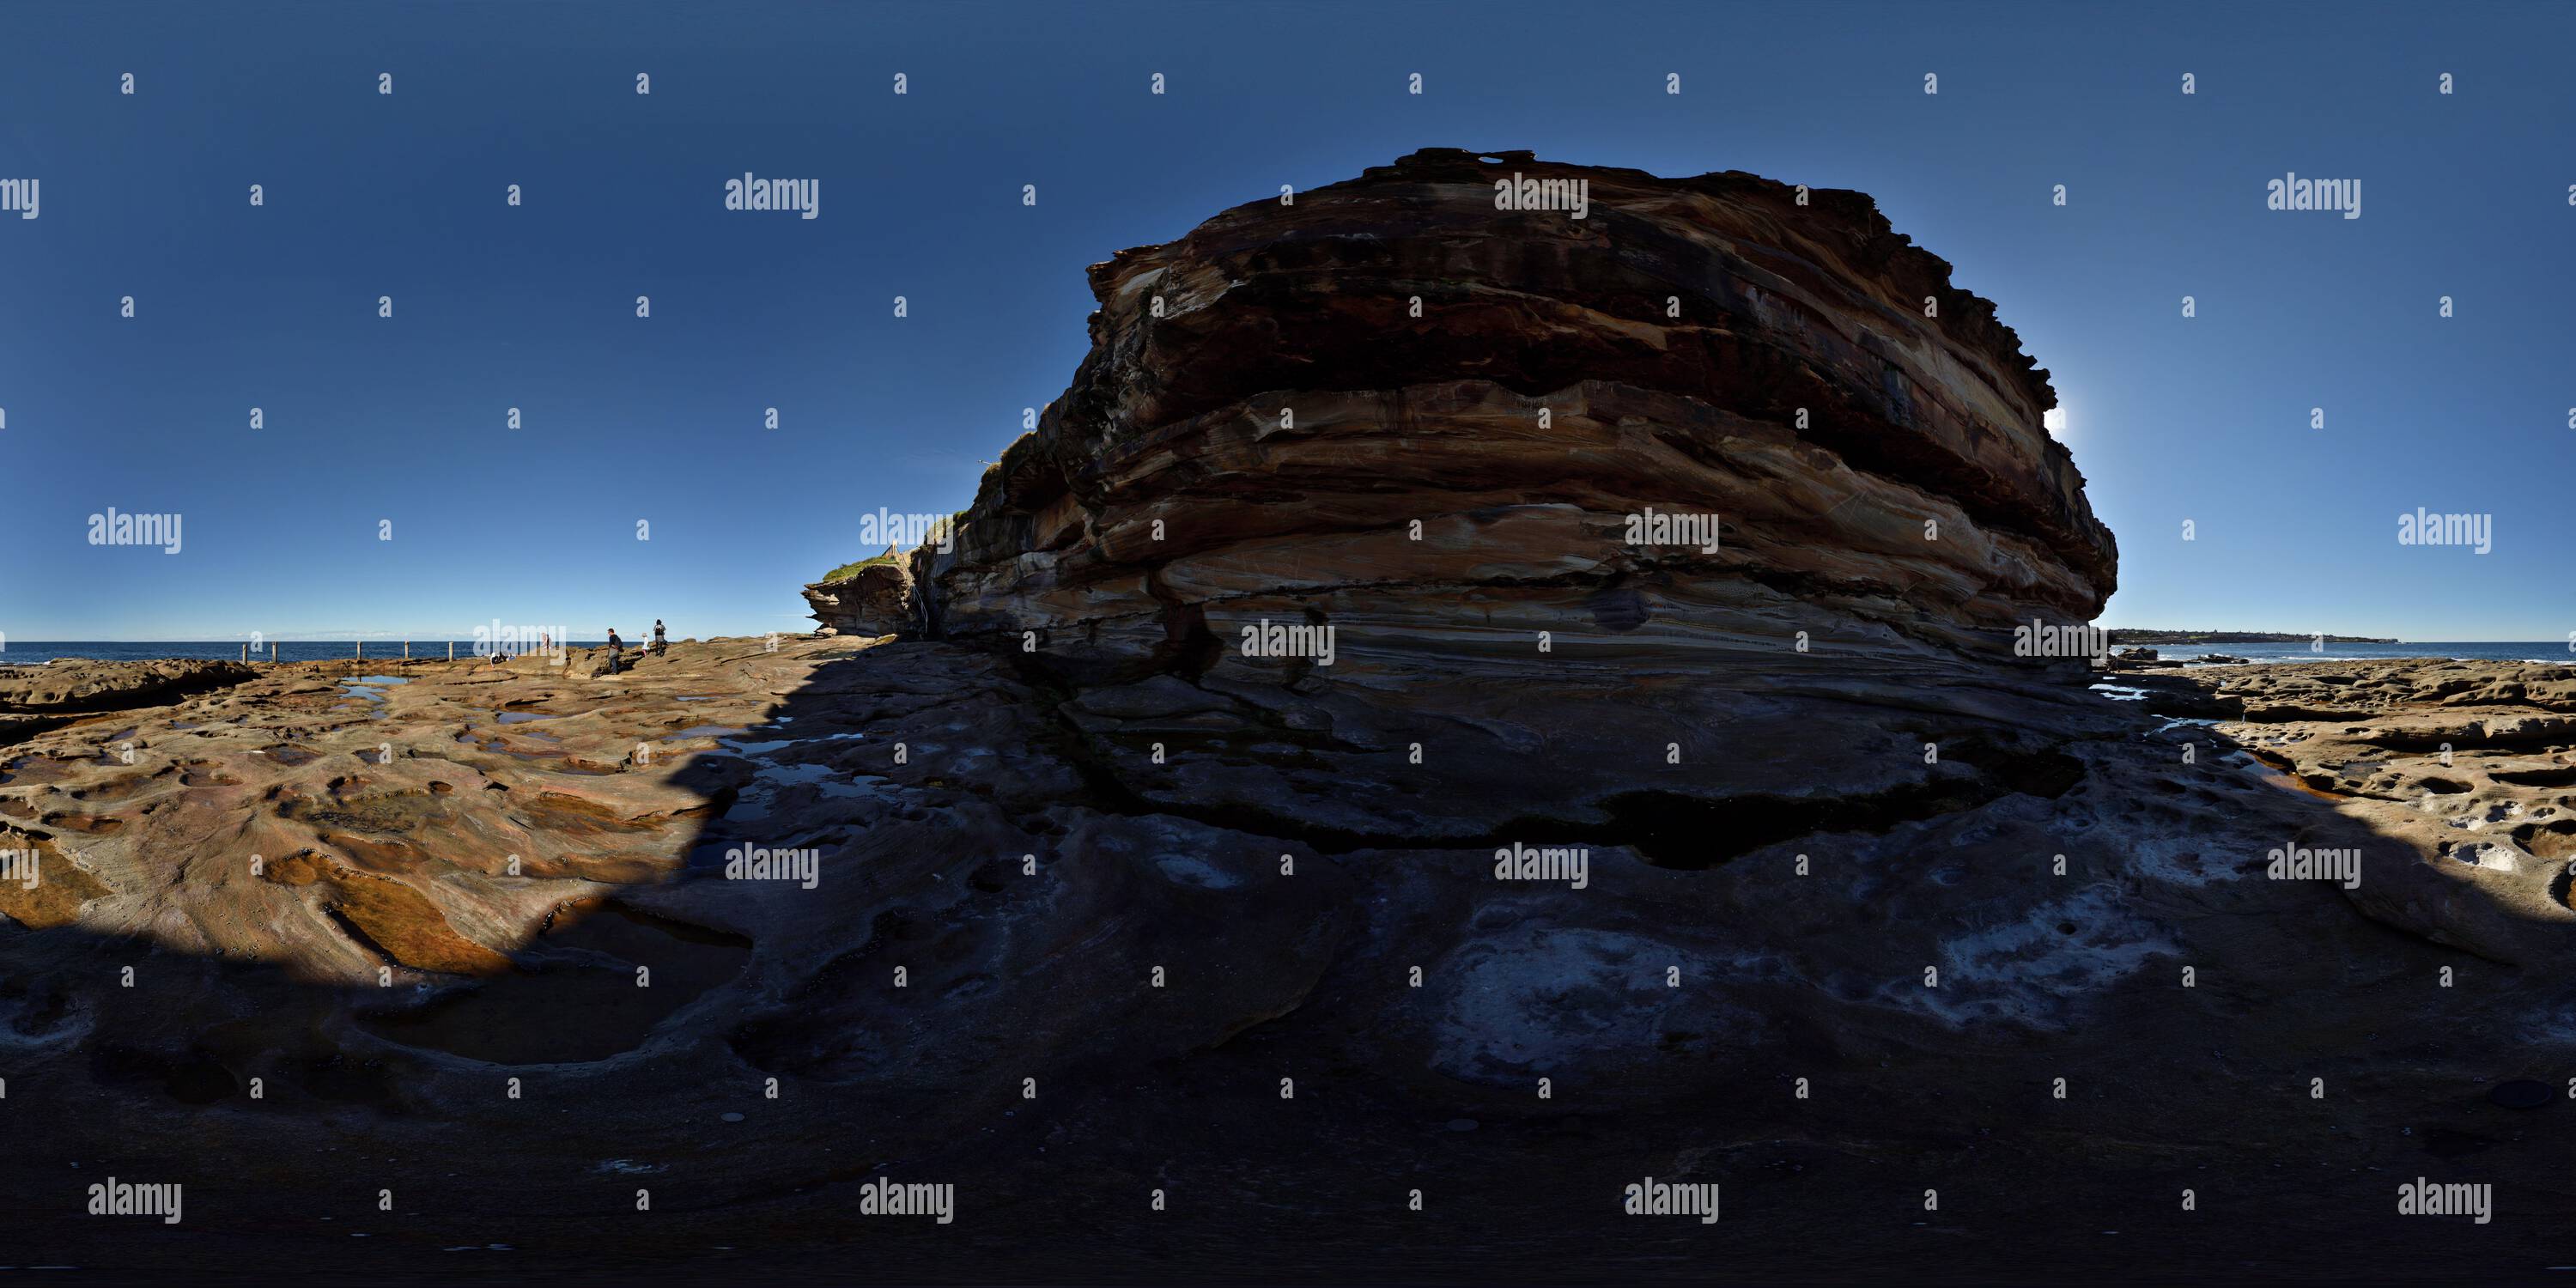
[661,641]
[616,652]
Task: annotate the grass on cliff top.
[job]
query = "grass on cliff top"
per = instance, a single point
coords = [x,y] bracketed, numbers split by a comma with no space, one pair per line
[848,570]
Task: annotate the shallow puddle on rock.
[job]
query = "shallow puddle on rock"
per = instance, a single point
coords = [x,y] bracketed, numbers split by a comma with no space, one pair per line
[2178,722]
[373,697]
[34,769]
[115,750]
[761,795]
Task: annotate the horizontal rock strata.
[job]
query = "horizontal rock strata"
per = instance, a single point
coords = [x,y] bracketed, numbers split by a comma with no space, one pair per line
[1448,432]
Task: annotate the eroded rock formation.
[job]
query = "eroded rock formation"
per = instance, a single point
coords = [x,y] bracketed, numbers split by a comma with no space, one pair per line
[1080,891]
[1289,389]
[37,698]
[2459,770]
[1447,433]
[870,600]
[110,686]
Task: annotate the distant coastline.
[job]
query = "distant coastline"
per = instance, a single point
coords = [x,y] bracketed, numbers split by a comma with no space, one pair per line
[42,652]
[2121,635]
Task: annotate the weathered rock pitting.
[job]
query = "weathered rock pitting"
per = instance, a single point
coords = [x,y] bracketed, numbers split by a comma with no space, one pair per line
[111,686]
[2461,771]
[34,699]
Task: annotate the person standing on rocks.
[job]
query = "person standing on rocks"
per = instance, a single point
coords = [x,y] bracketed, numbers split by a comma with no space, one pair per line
[661,641]
[616,651]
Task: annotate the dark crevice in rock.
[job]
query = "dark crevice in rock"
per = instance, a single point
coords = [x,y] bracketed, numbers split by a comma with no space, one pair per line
[2561,777]
[1675,831]
[1189,648]
[1669,829]
[125,686]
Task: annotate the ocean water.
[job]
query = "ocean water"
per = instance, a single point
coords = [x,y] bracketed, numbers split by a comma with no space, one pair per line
[38,652]
[2474,650]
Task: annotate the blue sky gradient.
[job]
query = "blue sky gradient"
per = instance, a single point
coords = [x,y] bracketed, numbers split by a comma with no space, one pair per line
[660,419]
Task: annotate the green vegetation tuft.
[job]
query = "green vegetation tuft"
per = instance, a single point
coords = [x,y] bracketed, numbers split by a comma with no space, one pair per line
[849,570]
[956,523]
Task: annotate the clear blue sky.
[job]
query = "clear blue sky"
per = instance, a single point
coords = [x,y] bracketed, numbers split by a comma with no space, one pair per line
[367,195]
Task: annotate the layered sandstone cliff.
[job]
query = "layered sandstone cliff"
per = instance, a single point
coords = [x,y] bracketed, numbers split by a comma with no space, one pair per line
[1429,420]
[1447,432]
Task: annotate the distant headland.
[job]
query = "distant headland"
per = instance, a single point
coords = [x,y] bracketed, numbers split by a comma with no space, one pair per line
[2125,636]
